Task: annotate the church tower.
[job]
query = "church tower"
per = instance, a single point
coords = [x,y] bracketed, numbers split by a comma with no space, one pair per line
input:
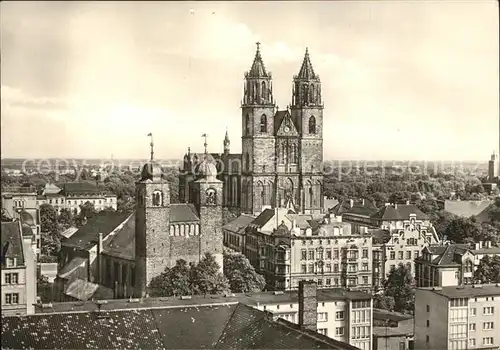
[257,141]
[227,144]
[151,225]
[307,112]
[208,203]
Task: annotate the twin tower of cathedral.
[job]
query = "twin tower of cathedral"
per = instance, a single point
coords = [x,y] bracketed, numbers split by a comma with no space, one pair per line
[282,150]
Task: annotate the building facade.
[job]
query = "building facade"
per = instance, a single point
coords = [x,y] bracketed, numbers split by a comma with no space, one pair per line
[451,264]
[457,317]
[73,194]
[19,203]
[339,314]
[282,150]
[287,248]
[18,270]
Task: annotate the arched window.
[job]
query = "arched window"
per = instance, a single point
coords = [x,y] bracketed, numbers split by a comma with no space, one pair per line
[255,91]
[157,199]
[312,94]
[312,125]
[294,154]
[311,197]
[263,91]
[263,123]
[247,125]
[247,161]
[468,266]
[285,151]
[305,92]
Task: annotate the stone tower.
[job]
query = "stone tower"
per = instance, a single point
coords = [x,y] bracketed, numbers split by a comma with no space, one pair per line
[307,112]
[258,142]
[151,225]
[207,191]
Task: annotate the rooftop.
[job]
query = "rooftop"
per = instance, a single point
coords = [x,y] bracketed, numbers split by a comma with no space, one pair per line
[12,241]
[239,224]
[220,326]
[467,291]
[399,212]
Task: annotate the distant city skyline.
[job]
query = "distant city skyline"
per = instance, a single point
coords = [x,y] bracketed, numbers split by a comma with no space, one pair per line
[400,80]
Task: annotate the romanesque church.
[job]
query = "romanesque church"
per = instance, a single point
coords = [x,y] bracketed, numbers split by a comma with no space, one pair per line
[282,150]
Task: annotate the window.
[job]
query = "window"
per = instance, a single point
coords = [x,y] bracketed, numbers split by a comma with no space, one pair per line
[402,345]
[157,199]
[408,255]
[427,339]
[328,267]
[365,280]
[487,325]
[328,281]
[322,316]
[428,323]
[328,253]
[311,268]
[339,331]
[15,278]
[12,298]
[11,262]
[364,267]
[400,255]
[322,331]
[428,308]
[311,254]
[365,253]
[472,342]
[415,254]
[339,315]
[263,123]
[488,341]
[472,327]
[303,254]
[335,267]
[392,255]
[312,125]
[488,310]
[247,125]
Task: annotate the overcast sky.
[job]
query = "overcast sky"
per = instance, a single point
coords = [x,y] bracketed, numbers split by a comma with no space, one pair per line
[400,80]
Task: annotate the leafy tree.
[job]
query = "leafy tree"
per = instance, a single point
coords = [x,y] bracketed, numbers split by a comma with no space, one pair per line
[385,302]
[241,274]
[227,216]
[488,270]
[48,218]
[65,218]
[207,278]
[463,230]
[399,285]
[87,211]
[51,244]
[173,281]
[400,197]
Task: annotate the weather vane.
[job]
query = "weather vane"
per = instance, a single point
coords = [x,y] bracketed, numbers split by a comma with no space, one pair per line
[151,144]
[205,144]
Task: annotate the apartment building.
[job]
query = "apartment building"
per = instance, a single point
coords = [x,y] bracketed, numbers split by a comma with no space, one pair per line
[18,272]
[343,315]
[401,245]
[73,194]
[19,203]
[451,264]
[457,317]
[286,248]
[357,212]
[234,232]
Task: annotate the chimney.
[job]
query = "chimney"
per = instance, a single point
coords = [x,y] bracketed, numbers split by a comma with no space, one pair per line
[395,205]
[351,203]
[99,258]
[488,244]
[478,245]
[362,201]
[308,305]
[481,244]
[407,202]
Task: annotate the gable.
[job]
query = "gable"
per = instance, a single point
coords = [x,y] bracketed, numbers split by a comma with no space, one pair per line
[286,126]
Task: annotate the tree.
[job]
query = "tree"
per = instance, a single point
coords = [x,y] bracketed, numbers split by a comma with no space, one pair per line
[399,285]
[51,244]
[463,230]
[48,218]
[385,302]
[173,281]
[207,278]
[65,218]
[227,216]
[87,211]
[241,274]
[488,270]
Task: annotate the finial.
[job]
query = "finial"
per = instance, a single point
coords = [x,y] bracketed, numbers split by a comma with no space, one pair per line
[189,151]
[258,45]
[151,144]
[205,144]
[307,51]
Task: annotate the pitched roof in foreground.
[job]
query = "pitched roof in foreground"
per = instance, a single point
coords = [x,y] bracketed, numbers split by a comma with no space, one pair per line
[219,326]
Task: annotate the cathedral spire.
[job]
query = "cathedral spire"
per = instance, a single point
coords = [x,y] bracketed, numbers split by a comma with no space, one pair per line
[226,143]
[258,69]
[306,71]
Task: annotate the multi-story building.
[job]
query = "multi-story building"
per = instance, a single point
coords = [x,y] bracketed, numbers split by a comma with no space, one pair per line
[73,194]
[234,232]
[451,264]
[18,269]
[340,314]
[457,317]
[282,150]
[287,248]
[401,243]
[19,203]
[357,212]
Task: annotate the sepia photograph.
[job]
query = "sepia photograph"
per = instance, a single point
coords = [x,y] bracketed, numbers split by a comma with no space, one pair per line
[250,175]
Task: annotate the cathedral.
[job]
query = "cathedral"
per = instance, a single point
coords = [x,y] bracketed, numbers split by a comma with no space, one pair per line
[282,150]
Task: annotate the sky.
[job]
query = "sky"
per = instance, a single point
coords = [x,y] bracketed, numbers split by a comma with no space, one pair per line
[405,80]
